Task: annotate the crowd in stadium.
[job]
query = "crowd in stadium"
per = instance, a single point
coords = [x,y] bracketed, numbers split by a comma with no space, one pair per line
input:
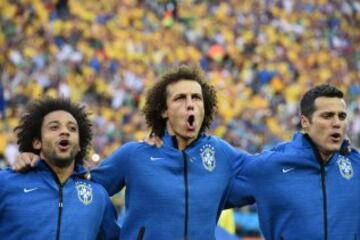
[261,56]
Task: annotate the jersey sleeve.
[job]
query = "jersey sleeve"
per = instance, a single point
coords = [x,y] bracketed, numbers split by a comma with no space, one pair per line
[248,177]
[111,173]
[2,195]
[241,187]
[109,230]
[5,180]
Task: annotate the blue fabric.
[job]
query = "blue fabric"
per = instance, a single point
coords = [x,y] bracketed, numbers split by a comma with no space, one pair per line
[29,207]
[222,234]
[247,221]
[286,185]
[155,195]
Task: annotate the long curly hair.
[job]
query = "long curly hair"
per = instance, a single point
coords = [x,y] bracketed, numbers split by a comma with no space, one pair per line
[30,124]
[155,103]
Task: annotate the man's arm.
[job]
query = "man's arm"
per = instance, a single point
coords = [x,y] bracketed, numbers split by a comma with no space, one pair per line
[2,197]
[241,187]
[109,230]
[249,174]
[111,173]
[238,192]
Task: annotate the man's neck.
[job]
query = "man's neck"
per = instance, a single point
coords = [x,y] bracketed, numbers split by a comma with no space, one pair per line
[181,142]
[62,173]
[325,157]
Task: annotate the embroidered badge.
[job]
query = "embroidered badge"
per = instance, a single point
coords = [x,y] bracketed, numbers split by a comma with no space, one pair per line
[345,167]
[207,153]
[84,192]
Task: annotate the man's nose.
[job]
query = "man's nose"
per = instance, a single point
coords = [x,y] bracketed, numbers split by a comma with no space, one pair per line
[336,122]
[64,130]
[189,103]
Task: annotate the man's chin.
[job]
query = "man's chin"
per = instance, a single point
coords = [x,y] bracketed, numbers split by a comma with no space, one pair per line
[63,162]
[191,137]
[193,133]
[333,150]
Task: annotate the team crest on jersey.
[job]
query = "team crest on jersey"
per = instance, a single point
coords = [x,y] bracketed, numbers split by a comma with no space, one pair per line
[84,192]
[207,153]
[345,167]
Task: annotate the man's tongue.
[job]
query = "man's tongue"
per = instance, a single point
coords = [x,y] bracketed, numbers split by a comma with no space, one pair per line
[190,123]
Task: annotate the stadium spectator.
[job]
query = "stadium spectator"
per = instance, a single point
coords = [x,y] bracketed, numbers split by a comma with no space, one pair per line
[10,153]
[269,53]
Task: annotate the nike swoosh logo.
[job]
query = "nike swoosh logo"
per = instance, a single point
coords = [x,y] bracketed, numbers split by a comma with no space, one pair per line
[286,170]
[155,158]
[26,190]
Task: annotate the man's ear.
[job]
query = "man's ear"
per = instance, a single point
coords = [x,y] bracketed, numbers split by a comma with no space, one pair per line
[37,144]
[164,114]
[78,149]
[305,122]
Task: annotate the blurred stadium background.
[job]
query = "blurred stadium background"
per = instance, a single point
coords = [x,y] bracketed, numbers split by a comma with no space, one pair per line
[261,56]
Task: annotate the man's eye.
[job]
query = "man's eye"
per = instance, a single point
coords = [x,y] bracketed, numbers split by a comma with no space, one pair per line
[73,129]
[342,116]
[327,115]
[53,127]
[179,98]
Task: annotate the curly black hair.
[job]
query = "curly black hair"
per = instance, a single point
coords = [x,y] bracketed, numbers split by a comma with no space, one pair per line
[155,103]
[30,124]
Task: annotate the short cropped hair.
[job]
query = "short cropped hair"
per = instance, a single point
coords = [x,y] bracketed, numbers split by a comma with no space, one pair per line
[307,103]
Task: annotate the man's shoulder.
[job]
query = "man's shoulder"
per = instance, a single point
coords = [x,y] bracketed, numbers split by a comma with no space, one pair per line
[211,139]
[8,174]
[131,147]
[218,144]
[284,150]
[283,147]
[136,145]
[133,144]
[5,174]
[354,153]
[290,148]
[10,178]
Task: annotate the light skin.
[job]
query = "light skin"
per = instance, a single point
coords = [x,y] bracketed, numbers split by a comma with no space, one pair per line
[185,111]
[184,102]
[59,143]
[327,125]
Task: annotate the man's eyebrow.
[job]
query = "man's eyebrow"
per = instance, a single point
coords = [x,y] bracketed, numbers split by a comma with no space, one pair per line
[343,113]
[57,121]
[333,112]
[179,95]
[53,121]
